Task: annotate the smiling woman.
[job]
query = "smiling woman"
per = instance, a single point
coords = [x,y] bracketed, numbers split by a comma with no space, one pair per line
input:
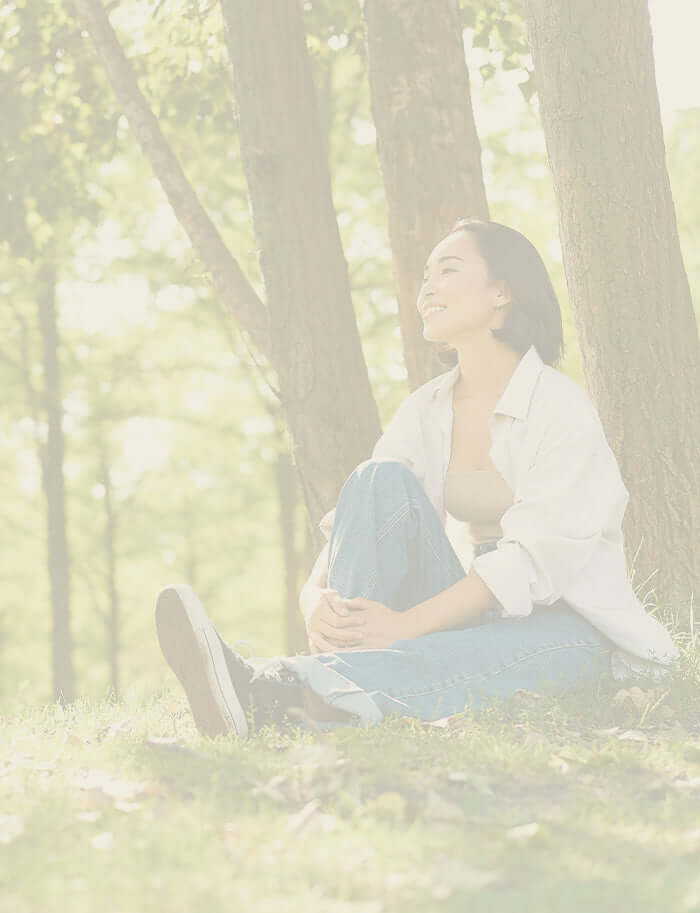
[396,623]
[494,274]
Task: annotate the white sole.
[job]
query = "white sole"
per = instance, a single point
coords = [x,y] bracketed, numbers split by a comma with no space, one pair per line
[193,651]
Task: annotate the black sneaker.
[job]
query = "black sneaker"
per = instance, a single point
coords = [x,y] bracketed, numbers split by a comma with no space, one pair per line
[193,649]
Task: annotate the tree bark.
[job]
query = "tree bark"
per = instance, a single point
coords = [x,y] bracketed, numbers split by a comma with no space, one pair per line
[110,547]
[295,639]
[315,344]
[54,490]
[628,286]
[308,330]
[428,147]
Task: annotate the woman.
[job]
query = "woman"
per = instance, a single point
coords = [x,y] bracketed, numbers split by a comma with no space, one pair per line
[509,446]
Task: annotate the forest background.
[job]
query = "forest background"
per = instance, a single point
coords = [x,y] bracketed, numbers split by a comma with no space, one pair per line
[177,462]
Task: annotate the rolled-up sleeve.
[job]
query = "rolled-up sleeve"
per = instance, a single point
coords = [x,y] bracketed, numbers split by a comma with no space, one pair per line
[401,441]
[568,499]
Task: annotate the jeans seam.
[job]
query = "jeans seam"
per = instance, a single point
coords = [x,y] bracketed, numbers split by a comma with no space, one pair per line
[394,520]
[463,679]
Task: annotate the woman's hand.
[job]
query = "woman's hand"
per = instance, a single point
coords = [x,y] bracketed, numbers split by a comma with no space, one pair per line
[377,624]
[331,626]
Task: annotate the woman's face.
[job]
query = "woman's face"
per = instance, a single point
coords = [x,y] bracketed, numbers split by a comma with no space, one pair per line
[457,279]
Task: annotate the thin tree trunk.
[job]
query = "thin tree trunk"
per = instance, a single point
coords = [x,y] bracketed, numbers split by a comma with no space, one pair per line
[427,142]
[54,490]
[110,547]
[228,280]
[308,330]
[287,496]
[624,269]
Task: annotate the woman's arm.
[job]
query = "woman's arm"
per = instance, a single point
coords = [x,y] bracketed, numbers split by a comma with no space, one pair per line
[567,500]
[456,607]
[558,516]
[317,578]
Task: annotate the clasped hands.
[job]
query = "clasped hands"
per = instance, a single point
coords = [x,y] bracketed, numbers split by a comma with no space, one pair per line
[340,624]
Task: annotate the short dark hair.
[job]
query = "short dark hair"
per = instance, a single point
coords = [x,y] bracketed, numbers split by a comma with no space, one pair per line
[534,316]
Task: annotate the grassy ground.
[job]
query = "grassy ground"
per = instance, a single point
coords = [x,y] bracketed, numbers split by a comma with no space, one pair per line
[585,804]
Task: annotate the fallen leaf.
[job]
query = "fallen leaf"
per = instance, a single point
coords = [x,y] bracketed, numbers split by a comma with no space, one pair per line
[438,724]
[271,789]
[557,763]
[612,730]
[88,816]
[102,841]
[119,729]
[121,805]
[633,735]
[690,783]
[634,696]
[11,827]
[523,831]
[296,823]
[171,745]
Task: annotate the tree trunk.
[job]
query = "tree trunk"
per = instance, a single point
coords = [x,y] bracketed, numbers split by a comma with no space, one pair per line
[295,638]
[625,274]
[314,342]
[427,143]
[308,330]
[54,490]
[110,547]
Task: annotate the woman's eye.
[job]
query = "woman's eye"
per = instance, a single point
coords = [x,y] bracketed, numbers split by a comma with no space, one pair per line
[442,271]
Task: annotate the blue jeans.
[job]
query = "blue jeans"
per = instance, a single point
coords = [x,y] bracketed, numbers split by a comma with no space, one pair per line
[388,544]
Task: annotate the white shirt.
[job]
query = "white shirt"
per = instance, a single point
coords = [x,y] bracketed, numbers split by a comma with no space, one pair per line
[562,536]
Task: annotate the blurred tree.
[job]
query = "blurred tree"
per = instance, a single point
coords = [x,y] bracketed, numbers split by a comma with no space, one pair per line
[427,144]
[308,293]
[53,141]
[54,488]
[625,272]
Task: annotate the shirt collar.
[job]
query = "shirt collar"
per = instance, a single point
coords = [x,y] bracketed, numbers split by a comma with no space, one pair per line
[515,399]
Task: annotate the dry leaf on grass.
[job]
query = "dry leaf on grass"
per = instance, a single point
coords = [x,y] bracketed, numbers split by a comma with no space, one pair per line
[102,841]
[90,817]
[119,729]
[173,746]
[527,697]
[557,763]
[523,832]
[633,735]
[11,827]
[634,696]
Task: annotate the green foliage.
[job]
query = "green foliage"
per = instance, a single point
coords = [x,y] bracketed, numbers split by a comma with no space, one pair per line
[59,124]
[498,27]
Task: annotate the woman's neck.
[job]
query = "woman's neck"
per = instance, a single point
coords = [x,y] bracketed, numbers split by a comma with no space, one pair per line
[484,368]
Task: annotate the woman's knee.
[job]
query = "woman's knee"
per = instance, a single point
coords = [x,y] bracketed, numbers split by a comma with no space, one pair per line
[372,472]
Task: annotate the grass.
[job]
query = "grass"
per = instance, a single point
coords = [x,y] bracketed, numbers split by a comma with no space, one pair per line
[589,803]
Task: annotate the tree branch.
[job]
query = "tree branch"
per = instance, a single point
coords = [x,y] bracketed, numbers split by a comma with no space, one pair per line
[227,277]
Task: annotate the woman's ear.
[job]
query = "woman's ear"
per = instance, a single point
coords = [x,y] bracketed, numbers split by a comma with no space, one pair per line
[503,293]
